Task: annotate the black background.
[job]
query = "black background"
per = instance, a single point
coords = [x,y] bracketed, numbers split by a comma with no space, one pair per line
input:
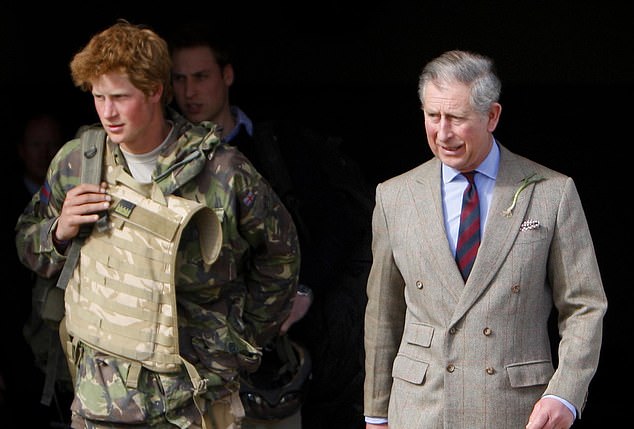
[352,70]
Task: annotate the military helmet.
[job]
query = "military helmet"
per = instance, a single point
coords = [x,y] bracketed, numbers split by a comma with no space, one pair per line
[277,389]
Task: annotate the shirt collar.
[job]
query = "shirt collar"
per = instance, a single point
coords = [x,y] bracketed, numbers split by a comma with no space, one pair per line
[488,167]
[242,121]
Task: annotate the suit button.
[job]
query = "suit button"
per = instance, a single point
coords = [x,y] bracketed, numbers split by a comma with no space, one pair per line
[453,330]
[490,371]
[419,284]
[515,288]
[487,331]
[451,368]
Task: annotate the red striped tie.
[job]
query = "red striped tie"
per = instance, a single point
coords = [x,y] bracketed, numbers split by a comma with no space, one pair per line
[469,233]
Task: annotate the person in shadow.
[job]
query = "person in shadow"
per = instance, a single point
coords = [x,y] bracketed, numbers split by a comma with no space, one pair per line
[23,367]
[331,204]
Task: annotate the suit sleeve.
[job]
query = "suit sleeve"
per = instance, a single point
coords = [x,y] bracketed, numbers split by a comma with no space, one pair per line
[385,312]
[579,297]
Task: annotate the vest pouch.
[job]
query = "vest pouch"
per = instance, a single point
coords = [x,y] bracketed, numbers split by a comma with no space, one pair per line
[48,300]
[53,305]
[103,391]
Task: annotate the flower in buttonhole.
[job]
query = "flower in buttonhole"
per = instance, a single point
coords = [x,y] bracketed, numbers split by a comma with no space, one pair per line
[533,178]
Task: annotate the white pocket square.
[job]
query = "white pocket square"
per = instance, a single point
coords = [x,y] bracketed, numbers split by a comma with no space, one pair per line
[529,224]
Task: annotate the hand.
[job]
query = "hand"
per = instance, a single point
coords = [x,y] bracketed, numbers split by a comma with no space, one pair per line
[549,413]
[373,426]
[301,303]
[81,206]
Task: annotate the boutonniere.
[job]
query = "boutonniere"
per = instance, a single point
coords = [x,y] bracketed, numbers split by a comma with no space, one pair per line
[533,178]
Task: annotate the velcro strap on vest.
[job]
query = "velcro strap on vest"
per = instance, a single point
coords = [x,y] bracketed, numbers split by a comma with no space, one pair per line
[132,380]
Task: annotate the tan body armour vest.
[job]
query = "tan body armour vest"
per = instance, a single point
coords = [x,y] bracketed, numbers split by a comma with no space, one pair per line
[121,298]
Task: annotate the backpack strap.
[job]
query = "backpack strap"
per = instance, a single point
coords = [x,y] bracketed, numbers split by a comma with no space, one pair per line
[92,146]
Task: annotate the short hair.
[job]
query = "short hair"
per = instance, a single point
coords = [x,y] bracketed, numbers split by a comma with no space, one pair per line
[195,34]
[474,70]
[135,50]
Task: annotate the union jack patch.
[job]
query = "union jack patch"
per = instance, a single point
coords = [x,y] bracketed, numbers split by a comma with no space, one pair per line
[249,199]
[45,193]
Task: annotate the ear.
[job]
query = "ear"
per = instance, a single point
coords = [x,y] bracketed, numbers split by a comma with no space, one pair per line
[228,75]
[157,94]
[494,116]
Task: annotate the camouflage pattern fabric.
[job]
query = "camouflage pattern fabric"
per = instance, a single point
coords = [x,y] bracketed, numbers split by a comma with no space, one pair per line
[223,413]
[237,303]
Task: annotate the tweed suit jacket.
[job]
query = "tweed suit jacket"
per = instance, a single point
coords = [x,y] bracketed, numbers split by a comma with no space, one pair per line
[442,353]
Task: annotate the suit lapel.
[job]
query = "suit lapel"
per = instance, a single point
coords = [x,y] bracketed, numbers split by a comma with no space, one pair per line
[425,192]
[500,231]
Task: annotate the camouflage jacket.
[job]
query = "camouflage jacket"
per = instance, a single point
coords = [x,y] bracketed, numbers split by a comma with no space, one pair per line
[224,312]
